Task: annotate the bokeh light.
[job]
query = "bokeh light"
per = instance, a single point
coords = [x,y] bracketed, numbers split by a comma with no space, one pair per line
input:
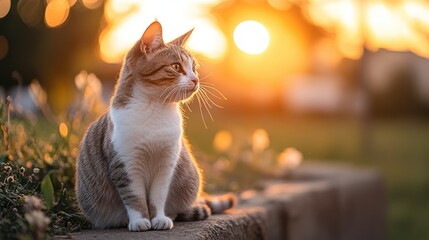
[399,26]
[222,140]
[56,12]
[251,37]
[72,2]
[280,4]
[260,140]
[4,8]
[289,159]
[31,11]
[92,4]
[63,129]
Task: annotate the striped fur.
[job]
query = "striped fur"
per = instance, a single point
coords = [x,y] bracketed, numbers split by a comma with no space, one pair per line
[208,205]
[195,213]
[135,167]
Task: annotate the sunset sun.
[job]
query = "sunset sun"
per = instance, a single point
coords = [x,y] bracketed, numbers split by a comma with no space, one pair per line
[251,37]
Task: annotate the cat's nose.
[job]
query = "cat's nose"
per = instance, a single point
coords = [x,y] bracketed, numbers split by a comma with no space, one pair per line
[195,81]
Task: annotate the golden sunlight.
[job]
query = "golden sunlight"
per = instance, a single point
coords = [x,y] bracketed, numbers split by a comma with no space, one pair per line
[127,19]
[399,26]
[251,37]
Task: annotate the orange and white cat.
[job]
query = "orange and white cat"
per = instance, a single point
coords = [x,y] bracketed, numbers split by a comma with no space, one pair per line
[135,167]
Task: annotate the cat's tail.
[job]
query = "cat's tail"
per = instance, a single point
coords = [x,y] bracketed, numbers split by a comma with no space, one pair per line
[208,205]
[219,204]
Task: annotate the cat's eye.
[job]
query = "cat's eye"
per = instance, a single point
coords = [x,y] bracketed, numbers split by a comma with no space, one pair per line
[194,67]
[177,67]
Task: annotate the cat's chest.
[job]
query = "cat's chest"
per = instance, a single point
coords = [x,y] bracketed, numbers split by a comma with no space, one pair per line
[134,127]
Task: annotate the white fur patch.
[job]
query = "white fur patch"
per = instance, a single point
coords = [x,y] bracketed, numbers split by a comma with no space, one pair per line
[161,223]
[140,124]
[136,222]
[152,130]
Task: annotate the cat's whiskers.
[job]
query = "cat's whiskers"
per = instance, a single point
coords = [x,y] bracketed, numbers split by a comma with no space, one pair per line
[201,110]
[177,93]
[205,102]
[204,94]
[209,87]
[179,96]
[184,93]
[205,77]
[186,103]
[207,106]
[169,91]
[165,90]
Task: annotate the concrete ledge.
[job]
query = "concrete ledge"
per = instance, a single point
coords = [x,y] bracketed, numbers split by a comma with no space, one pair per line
[321,202]
[238,224]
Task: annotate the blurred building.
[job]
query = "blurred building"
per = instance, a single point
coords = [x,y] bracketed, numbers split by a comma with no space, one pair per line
[397,83]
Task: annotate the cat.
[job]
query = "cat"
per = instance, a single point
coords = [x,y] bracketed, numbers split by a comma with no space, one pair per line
[135,167]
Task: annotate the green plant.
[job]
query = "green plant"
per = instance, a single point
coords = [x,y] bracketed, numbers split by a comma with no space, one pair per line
[37,165]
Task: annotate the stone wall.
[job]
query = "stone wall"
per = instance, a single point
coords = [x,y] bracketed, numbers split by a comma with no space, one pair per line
[319,202]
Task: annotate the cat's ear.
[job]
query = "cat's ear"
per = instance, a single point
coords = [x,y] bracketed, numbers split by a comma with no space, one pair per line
[152,38]
[180,41]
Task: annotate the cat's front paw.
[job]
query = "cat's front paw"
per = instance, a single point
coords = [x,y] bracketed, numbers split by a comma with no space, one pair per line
[139,224]
[161,223]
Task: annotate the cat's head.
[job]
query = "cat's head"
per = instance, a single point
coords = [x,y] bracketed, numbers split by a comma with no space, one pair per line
[162,71]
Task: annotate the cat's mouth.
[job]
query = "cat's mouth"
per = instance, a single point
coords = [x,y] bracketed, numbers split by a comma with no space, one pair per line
[179,93]
[196,87]
[191,90]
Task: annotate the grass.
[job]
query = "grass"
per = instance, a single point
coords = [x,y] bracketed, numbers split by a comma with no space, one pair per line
[401,152]
[36,180]
[37,166]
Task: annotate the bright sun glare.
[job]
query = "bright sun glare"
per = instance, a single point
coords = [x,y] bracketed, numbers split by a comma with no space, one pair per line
[402,26]
[251,37]
[127,19]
